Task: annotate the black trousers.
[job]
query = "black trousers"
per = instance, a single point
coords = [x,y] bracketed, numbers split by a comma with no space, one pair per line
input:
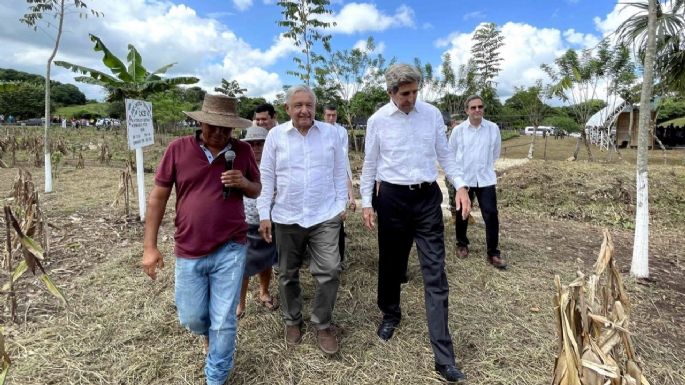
[487,200]
[406,216]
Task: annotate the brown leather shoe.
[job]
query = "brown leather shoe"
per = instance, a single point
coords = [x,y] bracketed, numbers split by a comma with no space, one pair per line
[497,261]
[293,334]
[328,341]
[462,251]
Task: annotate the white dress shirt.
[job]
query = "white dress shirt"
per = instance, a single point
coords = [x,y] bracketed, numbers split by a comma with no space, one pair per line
[475,150]
[307,172]
[403,148]
[346,145]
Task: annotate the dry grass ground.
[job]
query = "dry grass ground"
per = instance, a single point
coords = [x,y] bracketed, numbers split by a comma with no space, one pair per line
[121,328]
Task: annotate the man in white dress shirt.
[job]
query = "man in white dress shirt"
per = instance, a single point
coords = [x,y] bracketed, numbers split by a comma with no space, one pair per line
[330,116]
[476,144]
[304,164]
[404,140]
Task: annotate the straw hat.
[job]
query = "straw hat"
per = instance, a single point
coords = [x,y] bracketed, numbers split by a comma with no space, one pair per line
[219,110]
[255,133]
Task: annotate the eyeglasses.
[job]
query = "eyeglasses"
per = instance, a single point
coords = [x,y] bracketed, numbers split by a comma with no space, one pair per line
[479,107]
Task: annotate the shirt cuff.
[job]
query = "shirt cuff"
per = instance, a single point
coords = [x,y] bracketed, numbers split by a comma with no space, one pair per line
[264,215]
[366,202]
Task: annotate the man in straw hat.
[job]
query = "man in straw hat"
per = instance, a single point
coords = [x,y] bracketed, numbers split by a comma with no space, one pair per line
[210,239]
[408,205]
[304,163]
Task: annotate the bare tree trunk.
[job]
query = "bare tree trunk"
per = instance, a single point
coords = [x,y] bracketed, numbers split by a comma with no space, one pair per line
[531,149]
[630,125]
[640,263]
[545,151]
[46,141]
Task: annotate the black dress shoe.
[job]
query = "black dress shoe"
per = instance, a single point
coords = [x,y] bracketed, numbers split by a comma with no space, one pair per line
[386,330]
[450,373]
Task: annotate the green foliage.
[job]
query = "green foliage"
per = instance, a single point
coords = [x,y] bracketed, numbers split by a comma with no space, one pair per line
[528,102]
[24,101]
[231,88]
[670,41]
[364,103]
[66,95]
[563,122]
[129,81]
[60,94]
[671,108]
[247,106]
[168,107]
[303,26]
[485,56]
[345,74]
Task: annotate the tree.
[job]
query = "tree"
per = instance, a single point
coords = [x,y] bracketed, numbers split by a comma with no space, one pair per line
[670,41]
[133,81]
[302,20]
[531,105]
[247,106]
[57,9]
[640,263]
[23,100]
[168,107]
[431,86]
[231,88]
[575,81]
[346,73]
[456,87]
[487,40]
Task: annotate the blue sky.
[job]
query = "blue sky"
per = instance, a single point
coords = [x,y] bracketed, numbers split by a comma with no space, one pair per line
[239,39]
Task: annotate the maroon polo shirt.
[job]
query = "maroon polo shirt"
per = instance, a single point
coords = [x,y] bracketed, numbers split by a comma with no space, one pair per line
[204,220]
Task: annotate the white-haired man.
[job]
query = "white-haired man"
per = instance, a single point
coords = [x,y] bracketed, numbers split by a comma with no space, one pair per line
[303,163]
[404,140]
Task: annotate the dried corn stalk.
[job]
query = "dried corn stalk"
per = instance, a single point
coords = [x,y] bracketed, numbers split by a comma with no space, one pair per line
[592,315]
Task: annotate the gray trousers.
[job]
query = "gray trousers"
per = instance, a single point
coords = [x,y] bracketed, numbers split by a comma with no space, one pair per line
[322,240]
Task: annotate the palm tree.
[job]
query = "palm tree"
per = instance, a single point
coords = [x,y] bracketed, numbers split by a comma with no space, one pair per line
[231,88]
[640,263]
[133,81]
[670,40]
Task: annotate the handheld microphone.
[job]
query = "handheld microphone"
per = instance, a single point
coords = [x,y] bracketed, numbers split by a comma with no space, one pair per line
[229,156]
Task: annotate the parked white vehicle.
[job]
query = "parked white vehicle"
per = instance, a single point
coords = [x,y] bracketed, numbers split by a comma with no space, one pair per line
[540,131]
[107,123]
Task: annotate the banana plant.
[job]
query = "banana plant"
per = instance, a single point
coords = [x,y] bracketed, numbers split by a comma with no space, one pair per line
[131,80]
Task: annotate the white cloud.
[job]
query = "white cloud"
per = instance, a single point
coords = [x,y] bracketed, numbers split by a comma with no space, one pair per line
[363,17]
[525,48]
[614,19]
[242,5]
[162,32]
[583,40]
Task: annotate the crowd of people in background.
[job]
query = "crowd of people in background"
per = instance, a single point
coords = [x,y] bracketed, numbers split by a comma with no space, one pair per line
[277,201]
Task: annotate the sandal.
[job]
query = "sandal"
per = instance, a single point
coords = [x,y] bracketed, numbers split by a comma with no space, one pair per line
[271,303]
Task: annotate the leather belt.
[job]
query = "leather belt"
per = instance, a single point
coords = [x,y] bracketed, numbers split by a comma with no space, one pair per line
[412,187]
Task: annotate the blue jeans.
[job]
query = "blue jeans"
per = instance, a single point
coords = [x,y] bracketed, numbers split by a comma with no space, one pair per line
[207,292]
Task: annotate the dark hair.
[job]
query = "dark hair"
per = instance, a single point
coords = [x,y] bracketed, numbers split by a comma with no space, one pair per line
[266,107]
[330,107]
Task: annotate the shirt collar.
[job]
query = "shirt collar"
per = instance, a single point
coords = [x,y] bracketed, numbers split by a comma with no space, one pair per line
[392,109]
[290,125]
[198,139]
[482,123]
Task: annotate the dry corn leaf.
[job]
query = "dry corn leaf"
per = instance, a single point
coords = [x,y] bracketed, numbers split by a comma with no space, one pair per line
[588,374]
[52,288]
